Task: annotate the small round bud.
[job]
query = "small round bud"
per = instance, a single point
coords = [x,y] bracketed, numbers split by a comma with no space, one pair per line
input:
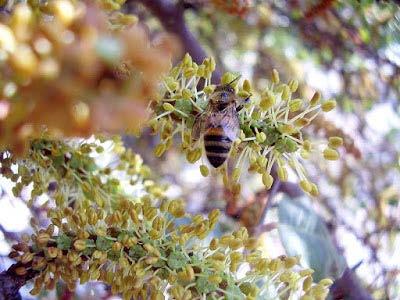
[335,142]
[247,86]
[328,105]
[267,180]
[168,107]
[261,137]
[305,186]
[204,170]
[295,105]
[243,94]
[331,154]
[80,245]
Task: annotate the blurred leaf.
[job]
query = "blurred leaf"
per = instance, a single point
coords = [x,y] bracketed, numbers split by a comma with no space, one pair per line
[305,234]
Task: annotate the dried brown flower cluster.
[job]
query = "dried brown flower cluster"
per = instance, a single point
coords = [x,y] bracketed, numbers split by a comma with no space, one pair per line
[73,70]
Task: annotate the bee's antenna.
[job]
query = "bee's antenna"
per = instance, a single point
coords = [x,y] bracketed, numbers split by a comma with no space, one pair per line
[237,78]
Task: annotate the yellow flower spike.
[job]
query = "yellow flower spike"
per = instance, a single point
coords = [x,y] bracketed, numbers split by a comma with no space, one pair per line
[275,76]
[335,142]
[328,105]
[247,86]
[204,170]
[286,93]
[7,39]
[331,154]
[315,99]
[295,105]
[282,173]
[168,107]
[306,186]
[293,85]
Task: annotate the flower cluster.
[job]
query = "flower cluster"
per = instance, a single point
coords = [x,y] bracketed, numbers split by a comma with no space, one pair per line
[272,124]
[71,68]
[141,243]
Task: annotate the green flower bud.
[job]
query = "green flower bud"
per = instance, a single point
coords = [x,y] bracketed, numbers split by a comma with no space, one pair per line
[315,99]
[331,154]
[275,76]
[295,105]
[335,142]
[328,105]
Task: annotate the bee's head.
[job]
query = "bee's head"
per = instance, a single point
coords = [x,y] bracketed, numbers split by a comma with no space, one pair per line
[223,94]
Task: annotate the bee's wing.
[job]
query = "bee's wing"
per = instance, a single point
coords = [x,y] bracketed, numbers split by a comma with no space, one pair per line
[198,126]
[230,122]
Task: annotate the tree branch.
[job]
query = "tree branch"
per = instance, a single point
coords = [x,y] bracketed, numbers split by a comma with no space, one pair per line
[171,16]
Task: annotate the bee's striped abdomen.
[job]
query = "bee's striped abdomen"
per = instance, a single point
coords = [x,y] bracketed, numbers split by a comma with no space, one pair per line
[217,146]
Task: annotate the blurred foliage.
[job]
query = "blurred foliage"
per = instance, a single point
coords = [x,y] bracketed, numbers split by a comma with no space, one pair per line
[305,234]
[76,74]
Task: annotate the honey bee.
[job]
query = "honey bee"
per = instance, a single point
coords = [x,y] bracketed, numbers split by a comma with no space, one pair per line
[219,123]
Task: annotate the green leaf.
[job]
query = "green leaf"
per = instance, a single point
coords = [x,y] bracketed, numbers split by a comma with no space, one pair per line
[177,260]
[103,244]
[63,242]
[184,106]
[305,234]
[205,286]
[137,252]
